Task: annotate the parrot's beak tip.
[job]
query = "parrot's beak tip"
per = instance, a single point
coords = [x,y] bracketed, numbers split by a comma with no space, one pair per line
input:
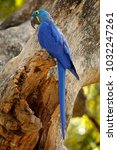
[33,22]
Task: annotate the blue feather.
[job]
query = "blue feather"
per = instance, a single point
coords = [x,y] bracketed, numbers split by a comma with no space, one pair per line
[52,39]
[55,43]
[61,75]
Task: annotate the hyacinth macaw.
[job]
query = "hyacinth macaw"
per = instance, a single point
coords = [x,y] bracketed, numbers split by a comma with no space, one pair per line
[52,39]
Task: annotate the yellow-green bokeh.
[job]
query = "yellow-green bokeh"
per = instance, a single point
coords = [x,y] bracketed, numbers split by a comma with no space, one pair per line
[19,3]
[9,6]
[82,133]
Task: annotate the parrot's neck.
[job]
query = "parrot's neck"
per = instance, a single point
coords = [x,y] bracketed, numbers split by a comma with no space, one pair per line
[47,20]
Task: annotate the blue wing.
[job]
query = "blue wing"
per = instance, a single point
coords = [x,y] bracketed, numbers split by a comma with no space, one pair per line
[55,43]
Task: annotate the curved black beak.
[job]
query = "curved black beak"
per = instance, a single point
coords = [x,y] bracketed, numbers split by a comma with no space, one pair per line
[34,21]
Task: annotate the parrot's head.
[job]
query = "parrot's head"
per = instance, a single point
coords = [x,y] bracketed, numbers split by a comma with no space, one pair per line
[40,16]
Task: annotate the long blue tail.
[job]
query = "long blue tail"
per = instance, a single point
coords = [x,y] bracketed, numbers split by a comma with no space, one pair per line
[61,75]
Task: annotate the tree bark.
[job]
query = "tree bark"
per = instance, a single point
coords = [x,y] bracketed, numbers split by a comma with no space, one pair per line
[29,101]
[13,40]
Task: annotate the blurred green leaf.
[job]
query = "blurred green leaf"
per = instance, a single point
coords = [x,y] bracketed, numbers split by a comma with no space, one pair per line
[81,132]
[9,6]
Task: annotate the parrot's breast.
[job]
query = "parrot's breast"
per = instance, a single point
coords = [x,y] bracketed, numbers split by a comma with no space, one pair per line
[51,39]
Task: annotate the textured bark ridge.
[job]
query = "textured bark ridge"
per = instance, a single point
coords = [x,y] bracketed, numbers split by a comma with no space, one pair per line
[29,103]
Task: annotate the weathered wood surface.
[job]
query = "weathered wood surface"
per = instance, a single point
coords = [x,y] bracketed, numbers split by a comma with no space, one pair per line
[29,103]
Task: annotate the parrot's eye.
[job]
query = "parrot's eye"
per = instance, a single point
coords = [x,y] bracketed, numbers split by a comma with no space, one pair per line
[36,12]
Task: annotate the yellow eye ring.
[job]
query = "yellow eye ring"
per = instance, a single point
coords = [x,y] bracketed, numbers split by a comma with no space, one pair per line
[36,12]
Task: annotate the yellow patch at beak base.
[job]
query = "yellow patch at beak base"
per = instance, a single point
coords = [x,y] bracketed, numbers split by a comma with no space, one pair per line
[38,19]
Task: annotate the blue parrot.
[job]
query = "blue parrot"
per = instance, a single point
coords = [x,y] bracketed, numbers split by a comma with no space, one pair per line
[52,39]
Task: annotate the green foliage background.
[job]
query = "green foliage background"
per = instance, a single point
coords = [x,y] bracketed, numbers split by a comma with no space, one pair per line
[8,6]
[82,133]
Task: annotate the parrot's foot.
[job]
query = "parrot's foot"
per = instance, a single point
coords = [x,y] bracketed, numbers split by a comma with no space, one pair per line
[50,57]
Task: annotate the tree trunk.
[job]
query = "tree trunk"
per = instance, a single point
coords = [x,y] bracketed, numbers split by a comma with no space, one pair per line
[29,102]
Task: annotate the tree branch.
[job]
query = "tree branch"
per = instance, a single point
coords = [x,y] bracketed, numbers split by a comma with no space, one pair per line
[93,120]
